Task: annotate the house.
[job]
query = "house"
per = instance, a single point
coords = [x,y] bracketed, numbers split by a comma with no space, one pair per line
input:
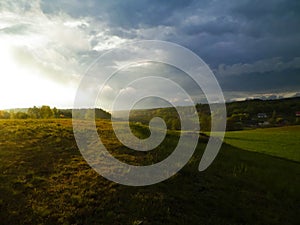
[298,113]
[262,115]
[265,123]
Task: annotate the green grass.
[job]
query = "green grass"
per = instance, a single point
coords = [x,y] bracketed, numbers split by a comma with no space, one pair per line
[44,180]
[281,141]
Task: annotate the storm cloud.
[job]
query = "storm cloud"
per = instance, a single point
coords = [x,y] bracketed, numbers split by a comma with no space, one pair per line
[220,32]
[252,46]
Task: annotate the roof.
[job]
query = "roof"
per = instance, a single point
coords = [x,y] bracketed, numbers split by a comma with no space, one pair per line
[261,115]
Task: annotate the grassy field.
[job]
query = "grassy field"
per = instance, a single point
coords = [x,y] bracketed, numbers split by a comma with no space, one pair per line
[281,141]
[44,180]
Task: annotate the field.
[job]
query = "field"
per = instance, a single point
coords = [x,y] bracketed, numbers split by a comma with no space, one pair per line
[282,142]
[45,180]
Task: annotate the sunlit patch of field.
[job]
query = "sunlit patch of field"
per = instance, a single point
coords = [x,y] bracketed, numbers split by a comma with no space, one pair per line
[280,141]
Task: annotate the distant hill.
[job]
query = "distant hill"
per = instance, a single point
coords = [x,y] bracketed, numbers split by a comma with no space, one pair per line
[240,114]
[263,113]
[88,113]
[286,107]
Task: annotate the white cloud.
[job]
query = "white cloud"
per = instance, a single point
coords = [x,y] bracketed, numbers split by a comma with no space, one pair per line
[159,32]
[127,91]
[241,96]
[46,38]
[76,23]
[107,42]
[41,49]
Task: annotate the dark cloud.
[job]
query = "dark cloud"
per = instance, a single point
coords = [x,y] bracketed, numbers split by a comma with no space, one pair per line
[126,14]
[220,32]
[240,30]
[284,81]
[218,26]
[255,9]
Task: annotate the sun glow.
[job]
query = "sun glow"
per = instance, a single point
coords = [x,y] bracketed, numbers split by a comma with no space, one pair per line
[22,86]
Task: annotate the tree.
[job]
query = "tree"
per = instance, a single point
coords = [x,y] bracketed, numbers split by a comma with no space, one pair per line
[12,114]
[65,113]
[272,120]
[34,113]
[21,115]
[46,112]
[4,114]
[279,120]
[175,124]
[205,122]
[55,112]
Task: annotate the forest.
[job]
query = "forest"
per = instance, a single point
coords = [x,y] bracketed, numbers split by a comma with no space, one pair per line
[241,115]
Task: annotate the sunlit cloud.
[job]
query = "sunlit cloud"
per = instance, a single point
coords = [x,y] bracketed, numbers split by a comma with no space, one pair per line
[42,56]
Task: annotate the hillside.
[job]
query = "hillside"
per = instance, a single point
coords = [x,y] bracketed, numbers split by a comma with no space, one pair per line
[45,180]
[240,115]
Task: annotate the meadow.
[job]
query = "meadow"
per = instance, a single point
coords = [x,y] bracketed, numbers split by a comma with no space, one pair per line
[282,142]
[45,180]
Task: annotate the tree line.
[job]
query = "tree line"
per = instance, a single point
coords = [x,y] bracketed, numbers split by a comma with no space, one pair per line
[46,112]
[240,115]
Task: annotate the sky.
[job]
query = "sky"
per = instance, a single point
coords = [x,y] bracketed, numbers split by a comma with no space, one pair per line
[46,46]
